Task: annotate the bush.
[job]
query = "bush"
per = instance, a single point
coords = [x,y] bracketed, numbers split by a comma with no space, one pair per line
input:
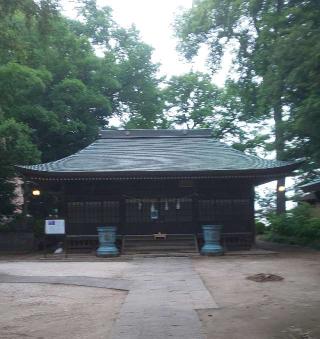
[297,226]
[14,224]
[260,227]
[20,223]
[5,227]
[38,227]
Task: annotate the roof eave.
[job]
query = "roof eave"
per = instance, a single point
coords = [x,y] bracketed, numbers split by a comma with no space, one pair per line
[244,173]
[311,187]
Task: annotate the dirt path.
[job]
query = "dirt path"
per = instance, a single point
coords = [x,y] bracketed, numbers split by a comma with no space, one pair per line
[253,310]
[287,309]
[57,311]
[33,310]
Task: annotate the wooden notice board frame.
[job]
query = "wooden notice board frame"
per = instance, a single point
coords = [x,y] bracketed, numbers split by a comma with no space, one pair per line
[54,227]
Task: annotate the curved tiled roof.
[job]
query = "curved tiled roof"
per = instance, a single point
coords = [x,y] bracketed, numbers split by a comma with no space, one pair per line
[171,151]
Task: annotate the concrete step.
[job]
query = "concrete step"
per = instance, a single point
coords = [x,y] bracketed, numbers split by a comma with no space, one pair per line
[164,247]
[151,237]
[172,243]
[159,243]
[161,254]
[160,250]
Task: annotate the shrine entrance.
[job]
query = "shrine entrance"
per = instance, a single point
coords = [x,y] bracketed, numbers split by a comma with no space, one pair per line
[153,215]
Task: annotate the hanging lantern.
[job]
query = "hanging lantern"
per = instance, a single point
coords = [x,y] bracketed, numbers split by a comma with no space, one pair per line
[36,192]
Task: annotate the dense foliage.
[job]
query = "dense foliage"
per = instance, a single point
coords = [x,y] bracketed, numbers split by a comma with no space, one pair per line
[62,79]
[192,101]
[299,226]
[15,144]
[276,65]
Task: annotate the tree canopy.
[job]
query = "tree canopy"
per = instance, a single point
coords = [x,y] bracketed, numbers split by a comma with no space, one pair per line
[275,47]
[61,80]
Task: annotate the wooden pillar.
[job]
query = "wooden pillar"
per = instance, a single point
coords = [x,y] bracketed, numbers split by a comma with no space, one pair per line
[26,198]
[122,214]
[281,196]
[63,204]
[195,212]
[252,214]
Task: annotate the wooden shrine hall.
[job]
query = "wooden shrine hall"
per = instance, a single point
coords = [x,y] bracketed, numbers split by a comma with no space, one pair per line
[146,182]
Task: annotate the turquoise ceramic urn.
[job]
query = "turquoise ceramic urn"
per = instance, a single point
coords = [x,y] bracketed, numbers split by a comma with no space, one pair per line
[211,237]
[107,241]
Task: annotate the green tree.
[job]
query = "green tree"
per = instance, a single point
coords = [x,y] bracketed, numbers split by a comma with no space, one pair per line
[139,95]
[59,88]
[192,100]
[257,31]
[300,48]
[45,65]
[15,148]
[136,98]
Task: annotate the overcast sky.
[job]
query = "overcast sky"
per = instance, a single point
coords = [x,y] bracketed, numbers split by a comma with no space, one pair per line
[154,19]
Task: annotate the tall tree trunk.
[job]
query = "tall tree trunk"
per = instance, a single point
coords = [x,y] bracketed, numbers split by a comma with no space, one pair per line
[279,147]
[279,133]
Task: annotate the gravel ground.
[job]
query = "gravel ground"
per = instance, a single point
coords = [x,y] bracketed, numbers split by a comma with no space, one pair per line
[263,310]
[287,309]
[57,311]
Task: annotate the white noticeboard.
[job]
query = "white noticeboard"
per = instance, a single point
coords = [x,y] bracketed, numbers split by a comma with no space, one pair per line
[55,226]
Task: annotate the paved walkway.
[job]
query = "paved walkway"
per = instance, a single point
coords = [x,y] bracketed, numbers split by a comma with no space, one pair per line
[117,284]
[163,300]
[164,294]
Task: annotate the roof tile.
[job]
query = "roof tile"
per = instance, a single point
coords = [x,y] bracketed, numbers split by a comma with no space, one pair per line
[160,154]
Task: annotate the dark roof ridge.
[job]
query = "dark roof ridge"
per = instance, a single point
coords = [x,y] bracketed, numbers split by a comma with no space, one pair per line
[155,133]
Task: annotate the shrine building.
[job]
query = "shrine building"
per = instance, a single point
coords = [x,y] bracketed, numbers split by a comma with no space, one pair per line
[150,181]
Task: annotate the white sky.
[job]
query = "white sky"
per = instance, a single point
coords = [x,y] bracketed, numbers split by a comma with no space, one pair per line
[154,20]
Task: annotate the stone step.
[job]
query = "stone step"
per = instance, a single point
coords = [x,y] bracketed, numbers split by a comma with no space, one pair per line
[159,243]
[180,246]
[157,254]
[168,236]
[153,250]
[172,243]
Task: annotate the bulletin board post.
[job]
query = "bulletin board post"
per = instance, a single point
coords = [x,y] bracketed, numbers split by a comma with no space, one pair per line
[54,227]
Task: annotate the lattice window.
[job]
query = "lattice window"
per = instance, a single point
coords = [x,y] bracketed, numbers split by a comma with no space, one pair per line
[138,210]
[76,212]
[92,212]
[207,210]
[221,210]
[184,214]
[168,209]
[111,212]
